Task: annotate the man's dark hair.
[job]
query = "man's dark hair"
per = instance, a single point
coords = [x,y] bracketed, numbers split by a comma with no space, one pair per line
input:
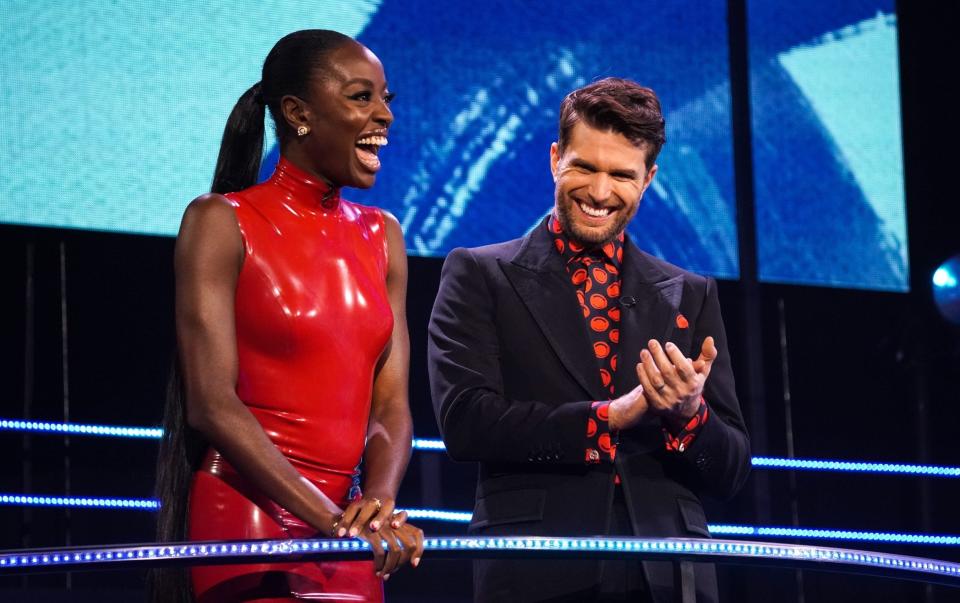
[620,105]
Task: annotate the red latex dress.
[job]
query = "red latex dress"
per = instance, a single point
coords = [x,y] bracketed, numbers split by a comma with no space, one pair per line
[312,319]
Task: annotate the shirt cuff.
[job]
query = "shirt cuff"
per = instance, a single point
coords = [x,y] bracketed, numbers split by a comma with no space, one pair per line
[681,440]
[601,446]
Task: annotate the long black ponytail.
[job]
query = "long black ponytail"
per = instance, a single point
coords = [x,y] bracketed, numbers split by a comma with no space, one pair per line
[292,62]
[238,164]
[288,69]
[181,451]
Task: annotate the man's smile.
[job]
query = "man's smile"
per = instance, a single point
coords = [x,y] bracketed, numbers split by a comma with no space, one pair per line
[594,212]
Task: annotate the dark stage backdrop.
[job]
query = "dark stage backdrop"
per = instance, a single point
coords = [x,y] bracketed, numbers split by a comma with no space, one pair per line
[86,324]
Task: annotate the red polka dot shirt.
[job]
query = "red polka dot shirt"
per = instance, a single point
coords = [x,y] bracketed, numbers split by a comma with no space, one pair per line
[595,274]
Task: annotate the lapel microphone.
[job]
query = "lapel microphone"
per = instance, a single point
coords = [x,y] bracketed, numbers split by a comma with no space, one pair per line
[628,301]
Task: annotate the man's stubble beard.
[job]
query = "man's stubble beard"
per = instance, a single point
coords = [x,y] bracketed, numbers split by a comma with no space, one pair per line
[565,207]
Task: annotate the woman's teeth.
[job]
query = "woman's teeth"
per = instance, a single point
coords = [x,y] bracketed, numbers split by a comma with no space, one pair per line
[599,212]
[380,141]
[368,156]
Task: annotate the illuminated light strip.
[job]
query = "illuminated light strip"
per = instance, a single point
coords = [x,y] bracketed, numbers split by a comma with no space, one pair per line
[463,517]
[855,466]
[79,501]
[822,534]
[769,462]
[424,444]
[436,515]
[741,530]
[851,561]
[437,445]
[79,429]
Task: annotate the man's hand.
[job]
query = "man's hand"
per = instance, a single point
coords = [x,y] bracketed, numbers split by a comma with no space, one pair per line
[673,383]
[627,410]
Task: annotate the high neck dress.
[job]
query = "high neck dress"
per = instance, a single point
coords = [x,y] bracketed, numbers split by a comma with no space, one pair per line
[312,320]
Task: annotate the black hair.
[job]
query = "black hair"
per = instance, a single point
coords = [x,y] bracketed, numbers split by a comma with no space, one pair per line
[288,69]
[181,451]
[618,105]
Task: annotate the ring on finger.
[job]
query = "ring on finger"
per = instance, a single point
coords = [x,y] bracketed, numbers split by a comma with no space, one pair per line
[378,503]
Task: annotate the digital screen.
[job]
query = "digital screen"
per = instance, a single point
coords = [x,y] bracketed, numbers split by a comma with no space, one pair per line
[113,112]
[827,152]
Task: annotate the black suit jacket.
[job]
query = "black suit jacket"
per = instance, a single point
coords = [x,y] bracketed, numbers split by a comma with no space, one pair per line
[513,376]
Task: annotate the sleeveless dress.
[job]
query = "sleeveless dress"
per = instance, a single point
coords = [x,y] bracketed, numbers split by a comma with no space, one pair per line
[312,319]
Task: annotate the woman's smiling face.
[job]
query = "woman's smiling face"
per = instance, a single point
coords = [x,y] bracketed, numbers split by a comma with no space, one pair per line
[348,113]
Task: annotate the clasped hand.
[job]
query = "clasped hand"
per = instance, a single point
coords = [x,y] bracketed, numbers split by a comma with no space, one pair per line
[394,542]
[670,385]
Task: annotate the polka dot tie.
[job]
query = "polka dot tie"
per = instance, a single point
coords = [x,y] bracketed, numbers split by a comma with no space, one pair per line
[596,275]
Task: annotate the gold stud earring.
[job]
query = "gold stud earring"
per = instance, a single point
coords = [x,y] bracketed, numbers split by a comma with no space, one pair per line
[303,131]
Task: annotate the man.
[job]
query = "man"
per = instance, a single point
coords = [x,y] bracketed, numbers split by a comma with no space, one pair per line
[590,380]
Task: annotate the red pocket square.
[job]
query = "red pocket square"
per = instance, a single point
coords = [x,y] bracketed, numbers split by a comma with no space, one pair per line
[682,321]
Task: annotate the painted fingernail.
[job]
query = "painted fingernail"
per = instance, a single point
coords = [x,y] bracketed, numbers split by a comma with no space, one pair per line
[670,345]
[354,531]
[341,531]
[395,524]
[415,562]
[386,577]
[374,526]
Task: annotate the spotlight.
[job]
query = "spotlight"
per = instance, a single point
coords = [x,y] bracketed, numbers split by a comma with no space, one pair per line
[946,289]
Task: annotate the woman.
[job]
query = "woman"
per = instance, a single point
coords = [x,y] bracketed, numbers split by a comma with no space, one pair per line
[292,338]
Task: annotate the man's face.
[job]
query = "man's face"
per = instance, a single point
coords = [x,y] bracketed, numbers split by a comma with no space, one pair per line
[600,178]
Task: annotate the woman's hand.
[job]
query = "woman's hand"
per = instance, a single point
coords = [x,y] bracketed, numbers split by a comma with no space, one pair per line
[368,513]
[394,547]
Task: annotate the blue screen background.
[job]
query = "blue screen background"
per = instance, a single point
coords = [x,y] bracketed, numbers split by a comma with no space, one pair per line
[113,114]
[477,109]
[828,160]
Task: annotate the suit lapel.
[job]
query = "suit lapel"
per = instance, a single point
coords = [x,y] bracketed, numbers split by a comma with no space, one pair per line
[540,279]
[656,301]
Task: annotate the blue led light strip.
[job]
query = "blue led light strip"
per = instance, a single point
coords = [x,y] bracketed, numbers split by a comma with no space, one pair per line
[436,515]
[425,444]
[21,500]
[78,429]
[855,466]
[823,534]
[849,561]
[463,517]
